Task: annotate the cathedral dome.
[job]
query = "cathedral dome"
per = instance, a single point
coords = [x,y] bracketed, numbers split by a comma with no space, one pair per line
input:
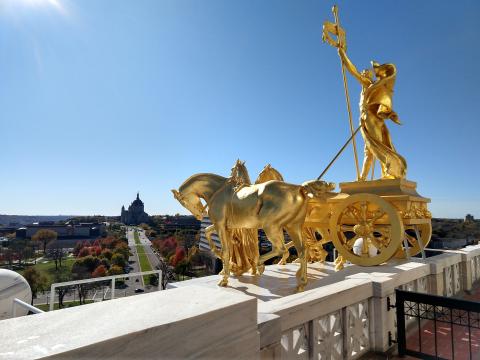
[135,214]
[137,201]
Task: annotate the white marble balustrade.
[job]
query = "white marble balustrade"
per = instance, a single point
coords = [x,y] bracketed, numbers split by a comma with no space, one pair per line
[341,315]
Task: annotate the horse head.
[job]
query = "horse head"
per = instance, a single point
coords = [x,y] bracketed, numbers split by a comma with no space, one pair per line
[191,202]
[268,173]
[240,174]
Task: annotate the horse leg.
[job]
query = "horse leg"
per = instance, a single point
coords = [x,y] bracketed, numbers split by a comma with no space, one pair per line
[295,232]
[254,254]
[208,235]
[224,236]
[275,235]
[286,253]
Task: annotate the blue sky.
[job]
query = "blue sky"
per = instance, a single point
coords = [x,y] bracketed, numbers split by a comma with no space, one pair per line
[100,99]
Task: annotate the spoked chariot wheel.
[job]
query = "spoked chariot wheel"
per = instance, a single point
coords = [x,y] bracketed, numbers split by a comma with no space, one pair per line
[366,229]
[424,231]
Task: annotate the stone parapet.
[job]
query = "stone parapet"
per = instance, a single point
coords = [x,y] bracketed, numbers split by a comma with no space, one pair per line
[208,323]
[341,315]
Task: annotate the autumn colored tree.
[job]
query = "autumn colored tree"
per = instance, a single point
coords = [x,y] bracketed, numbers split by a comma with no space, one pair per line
[100,271]
[77,248]
[44,236]
[166,247]
[36,280]
[85,251]
[115,270]
[107,253]
[178,257]
[122,248]
[118,260]
[83,267]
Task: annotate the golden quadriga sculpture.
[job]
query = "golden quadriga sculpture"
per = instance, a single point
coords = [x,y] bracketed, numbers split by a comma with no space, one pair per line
[368,222]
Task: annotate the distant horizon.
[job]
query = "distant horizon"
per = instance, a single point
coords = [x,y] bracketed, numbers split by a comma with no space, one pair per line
[185,214]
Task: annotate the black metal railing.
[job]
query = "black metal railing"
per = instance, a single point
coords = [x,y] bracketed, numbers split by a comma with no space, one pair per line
[437,327]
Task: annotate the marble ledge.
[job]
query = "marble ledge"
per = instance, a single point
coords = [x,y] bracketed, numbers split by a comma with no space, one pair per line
[145,326]
[327,290]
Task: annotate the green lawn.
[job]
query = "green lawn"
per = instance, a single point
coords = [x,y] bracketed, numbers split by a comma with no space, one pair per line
[66,304]
[48,268]
[136,237]
[144,262]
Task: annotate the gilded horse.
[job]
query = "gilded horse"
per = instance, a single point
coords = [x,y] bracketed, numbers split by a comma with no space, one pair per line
[271,206]
[244,252]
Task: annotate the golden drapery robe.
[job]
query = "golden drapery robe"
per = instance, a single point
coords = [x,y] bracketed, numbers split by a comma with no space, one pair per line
[376,107]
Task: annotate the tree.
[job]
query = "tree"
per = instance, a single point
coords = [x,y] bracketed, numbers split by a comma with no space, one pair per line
[122,248]
[144,226]
[56,252]
[59,277]
[119,260]
[85,251]
[107,253]
[181,267]
[83,267]
[77,248]
[44,236]
[179,256]
[36,280]
[8,256]
[167,273]
[100,271]
[115,270]
[18,247]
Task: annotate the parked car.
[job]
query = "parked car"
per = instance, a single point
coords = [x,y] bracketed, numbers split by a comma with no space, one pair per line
[139,291]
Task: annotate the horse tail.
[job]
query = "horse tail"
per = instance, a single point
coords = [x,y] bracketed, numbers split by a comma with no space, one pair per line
[315,188]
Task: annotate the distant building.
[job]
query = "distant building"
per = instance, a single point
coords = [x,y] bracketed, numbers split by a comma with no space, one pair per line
[469,218]
[64,231]
[135,215]
[171,224]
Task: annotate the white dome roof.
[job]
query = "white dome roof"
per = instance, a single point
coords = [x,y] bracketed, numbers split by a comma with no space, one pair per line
[13,285]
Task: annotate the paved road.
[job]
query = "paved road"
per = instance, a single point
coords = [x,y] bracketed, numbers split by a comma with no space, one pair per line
[132,283]
[147,245]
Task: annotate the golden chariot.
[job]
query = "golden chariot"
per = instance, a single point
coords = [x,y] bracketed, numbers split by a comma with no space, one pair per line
[390,213]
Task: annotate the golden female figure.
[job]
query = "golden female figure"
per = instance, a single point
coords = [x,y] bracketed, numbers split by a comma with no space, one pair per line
[376,107]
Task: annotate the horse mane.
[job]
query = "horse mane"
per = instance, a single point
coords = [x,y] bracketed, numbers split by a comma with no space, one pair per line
[199,177]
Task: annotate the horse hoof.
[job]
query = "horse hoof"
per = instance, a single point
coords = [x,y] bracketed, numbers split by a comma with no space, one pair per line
[282,262]
[260,269]
[223,283]
[300,288]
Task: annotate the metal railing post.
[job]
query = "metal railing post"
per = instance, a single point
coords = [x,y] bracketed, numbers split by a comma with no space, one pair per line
[52,297]
[113,289]
[401,336]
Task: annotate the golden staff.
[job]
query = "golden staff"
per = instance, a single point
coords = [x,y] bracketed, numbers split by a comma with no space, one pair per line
[345,85]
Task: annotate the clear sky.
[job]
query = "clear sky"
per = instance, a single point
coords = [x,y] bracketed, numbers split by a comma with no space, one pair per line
[100,99]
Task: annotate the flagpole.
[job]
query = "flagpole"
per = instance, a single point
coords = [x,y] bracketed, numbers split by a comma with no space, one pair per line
[347,97]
